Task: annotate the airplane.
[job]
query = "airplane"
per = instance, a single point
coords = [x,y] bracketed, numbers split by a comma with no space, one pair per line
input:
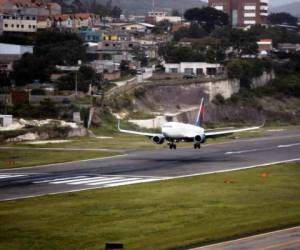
[175,132]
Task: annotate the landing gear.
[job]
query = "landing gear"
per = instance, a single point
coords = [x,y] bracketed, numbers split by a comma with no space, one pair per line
[172,146]
[197,146]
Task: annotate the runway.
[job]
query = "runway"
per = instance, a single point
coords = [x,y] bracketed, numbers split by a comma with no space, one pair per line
[146,166]
[278,240]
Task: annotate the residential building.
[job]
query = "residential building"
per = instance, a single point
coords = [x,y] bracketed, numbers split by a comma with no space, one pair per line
[133,27]
[19,23]
[243,13]
[90,35]
[154,17]
[194,68]
[30,7]
[74,21]
[265,45]
[116,35]
[44,22]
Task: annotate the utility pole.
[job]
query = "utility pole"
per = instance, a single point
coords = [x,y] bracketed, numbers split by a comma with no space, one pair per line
[76,77]
[76,83]
[153,5]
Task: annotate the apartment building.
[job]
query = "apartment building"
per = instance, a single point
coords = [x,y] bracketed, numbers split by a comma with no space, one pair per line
[243,13]
[19,23]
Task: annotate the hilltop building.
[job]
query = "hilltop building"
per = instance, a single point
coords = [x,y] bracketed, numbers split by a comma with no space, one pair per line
[30,7]
[243,13]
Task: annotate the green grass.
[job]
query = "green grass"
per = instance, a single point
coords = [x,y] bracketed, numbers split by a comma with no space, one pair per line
[138,115]
[121,141]
[160,215]
[26,158]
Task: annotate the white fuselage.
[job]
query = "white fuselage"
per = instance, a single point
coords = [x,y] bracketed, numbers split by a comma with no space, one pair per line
[177,130]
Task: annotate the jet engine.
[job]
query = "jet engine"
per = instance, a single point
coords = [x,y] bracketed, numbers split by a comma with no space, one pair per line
[158,139]
[199,139]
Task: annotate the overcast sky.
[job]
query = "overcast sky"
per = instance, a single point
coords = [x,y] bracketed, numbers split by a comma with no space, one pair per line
[279,2]
[282,2]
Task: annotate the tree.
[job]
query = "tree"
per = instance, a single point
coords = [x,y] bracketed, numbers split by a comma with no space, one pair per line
[175,13]
[85,76]
[283,18]
[116,12]
[208,17]
[62,48]
[244,42]
[245,70]
[173,54]
[162,27]
[194,31]
[30,68]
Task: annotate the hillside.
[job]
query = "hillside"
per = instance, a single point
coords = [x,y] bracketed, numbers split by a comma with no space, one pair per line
[142,6]
[138,6]
[292,8]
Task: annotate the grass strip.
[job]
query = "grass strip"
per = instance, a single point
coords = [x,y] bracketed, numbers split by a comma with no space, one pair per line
[10,158]
[161,215]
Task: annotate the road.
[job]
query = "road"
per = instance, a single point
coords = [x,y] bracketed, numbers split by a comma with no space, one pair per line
[147,166]
[278,240]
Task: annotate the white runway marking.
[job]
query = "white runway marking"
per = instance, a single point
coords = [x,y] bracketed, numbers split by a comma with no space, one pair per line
[9,176]
[100,181]
[241,152]
[289,146]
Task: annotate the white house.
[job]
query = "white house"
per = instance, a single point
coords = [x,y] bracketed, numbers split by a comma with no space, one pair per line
[19,23]
[194,68]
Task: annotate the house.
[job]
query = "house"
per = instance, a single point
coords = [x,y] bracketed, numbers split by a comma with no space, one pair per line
[19,23]
[74,21]
[194,68]
[134,27]
[90,35]
[115,35]
[44,22]
[154,17]
[265,45]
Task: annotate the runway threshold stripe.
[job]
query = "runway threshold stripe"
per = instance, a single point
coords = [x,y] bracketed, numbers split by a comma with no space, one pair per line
[130,182]
[58,179]
[10,176]
[113,181]
[72,180]
[99,179]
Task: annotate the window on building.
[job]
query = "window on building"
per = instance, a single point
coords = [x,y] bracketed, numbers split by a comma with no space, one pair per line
[199,71]
[33,26]
[22,26]
[188,71]
[29,26]
[6,25]
[12,25]
[173,70]
[18,26]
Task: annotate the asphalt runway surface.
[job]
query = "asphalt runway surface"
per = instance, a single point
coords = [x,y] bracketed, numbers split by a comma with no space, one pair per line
[287,239]
[147,166]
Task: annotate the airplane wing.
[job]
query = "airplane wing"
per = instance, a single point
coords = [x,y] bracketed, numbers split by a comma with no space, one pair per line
[138,133]
[229,132]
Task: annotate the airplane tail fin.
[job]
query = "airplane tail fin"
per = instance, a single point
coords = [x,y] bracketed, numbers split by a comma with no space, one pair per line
[200,115]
